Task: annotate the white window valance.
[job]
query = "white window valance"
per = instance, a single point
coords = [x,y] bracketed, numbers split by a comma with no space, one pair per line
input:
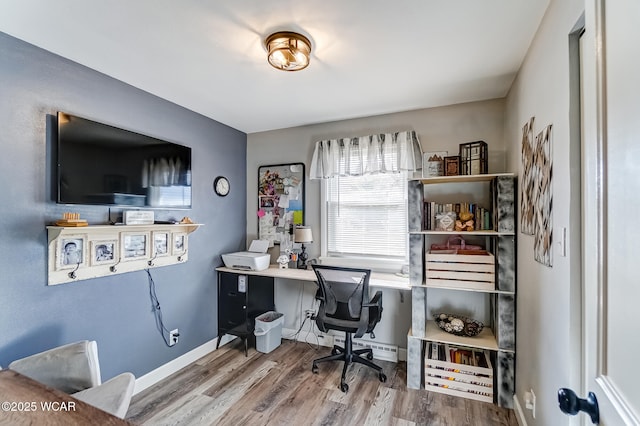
[381,153]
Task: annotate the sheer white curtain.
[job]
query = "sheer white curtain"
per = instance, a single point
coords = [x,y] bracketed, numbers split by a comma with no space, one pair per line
[381,153]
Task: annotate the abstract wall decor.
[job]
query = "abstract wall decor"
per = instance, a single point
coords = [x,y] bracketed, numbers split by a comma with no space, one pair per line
[543,198]
[527,182]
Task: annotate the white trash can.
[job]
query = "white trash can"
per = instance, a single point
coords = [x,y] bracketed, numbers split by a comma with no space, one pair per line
[268,331]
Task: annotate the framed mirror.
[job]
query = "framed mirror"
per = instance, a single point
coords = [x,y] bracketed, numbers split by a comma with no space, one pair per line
[281,192]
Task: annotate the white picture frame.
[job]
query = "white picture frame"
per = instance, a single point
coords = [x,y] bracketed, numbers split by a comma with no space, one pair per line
[134,246]
[179,243]
[161,243]
[433,163]
[104,252]
[71,252]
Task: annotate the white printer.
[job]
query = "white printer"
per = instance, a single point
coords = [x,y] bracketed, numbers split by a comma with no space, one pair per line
[256,259]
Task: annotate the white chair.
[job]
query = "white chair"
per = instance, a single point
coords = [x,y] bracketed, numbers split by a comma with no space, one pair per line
[74,369]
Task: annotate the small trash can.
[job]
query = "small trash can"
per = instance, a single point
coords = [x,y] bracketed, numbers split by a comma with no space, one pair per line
[268,331]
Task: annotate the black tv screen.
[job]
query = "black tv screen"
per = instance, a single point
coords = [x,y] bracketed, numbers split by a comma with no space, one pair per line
[105,165]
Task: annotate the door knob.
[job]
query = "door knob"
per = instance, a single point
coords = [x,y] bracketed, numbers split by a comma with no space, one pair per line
[572,405]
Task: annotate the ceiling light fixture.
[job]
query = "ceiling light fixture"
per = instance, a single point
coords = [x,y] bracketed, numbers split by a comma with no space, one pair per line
[288,51]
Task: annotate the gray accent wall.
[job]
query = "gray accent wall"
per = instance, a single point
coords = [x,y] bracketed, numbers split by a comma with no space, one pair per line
[114,311]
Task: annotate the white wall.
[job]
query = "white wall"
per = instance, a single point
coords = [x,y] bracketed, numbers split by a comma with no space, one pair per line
[548,298]
[439,129]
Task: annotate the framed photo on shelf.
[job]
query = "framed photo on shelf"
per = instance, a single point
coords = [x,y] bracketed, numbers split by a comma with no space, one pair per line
[433,164]
[135,246]
[104,252]
[179,246]
[161,243]
[71,252]
[452,165]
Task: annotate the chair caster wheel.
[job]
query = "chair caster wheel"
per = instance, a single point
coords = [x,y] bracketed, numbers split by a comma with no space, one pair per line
[370,356]
[344,387]
[382,377]
[314,369]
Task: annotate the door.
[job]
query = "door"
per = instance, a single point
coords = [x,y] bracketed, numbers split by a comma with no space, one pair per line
[611,199]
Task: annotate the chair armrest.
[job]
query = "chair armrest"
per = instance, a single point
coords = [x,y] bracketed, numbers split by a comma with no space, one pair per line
[375,302]
[113,396]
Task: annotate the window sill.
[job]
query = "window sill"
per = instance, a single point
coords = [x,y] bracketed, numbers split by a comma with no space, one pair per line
[377,265]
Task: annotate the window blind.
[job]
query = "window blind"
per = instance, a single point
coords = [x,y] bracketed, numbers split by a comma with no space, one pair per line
[367,216]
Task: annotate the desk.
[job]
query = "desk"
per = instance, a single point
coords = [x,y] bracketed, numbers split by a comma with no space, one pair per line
[241,301]
[28,402]
[377,279]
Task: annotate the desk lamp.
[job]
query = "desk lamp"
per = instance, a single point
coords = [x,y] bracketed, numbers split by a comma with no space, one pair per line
[303,235]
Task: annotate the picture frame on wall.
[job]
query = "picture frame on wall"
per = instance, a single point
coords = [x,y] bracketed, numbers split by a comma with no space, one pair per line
[179,246]
[452,165]
[134,246]
[161,243]
[104,252]
[71,252]
[433,164]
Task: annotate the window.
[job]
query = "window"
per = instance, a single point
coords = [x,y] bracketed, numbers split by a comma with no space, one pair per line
[365,221]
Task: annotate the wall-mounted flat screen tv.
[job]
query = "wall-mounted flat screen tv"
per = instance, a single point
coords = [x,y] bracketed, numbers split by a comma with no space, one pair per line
[105,165]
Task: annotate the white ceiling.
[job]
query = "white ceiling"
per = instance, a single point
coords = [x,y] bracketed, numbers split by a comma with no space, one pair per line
[369,56]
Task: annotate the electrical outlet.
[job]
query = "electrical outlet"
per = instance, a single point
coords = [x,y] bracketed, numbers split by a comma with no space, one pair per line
[310,313]
[530,402]
[173,337]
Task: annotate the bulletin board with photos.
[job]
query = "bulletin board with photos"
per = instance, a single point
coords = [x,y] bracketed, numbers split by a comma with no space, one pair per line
[102,250]
[281,195]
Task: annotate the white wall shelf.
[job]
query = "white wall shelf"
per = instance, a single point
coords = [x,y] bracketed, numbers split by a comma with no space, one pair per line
[83,252]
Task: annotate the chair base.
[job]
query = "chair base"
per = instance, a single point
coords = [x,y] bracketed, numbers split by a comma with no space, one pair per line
[349,356]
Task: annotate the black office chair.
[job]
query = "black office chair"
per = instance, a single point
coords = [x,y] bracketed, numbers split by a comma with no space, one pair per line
[343,294]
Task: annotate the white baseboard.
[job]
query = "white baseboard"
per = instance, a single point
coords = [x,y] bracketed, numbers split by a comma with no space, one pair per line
[518,410]
[164,371]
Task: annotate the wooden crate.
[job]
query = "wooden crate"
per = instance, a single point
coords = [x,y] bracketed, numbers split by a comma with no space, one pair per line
[466,381]
[463,271]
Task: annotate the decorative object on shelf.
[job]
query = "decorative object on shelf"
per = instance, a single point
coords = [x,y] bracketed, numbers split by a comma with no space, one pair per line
[221,186]
[527,181]
[186,221]
[455,242]
[445,221]
[433,164]
[452,165]
[464,222]
[71,219]
[288,51]
[474,158]
[304,236]
[459,325]
[138,217]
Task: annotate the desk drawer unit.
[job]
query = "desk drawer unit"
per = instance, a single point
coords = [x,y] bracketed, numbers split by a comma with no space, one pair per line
[241,298]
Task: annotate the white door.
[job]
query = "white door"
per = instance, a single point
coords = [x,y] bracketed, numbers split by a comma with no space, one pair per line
[611,202]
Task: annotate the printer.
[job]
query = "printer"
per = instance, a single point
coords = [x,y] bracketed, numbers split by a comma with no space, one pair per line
[255,259]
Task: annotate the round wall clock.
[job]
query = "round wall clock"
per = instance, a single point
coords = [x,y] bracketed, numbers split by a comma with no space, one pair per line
[221,186]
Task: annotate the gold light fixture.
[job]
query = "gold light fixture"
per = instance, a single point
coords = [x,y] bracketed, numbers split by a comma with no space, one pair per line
[288,51]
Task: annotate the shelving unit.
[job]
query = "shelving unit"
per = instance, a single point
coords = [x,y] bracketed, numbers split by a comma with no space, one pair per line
[498,336]
[102,250]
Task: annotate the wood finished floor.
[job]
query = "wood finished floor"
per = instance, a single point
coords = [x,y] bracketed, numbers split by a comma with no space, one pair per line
[227,388]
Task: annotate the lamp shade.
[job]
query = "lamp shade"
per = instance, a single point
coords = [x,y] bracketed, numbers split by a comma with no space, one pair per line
[303,234]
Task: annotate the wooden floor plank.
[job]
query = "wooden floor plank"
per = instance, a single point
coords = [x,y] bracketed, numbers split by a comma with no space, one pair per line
[226,387]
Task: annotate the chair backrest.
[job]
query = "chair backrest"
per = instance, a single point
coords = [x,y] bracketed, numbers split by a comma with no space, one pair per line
[69,368]
[343,291]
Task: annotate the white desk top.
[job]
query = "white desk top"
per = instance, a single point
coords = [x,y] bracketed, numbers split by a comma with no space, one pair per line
[377,279]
